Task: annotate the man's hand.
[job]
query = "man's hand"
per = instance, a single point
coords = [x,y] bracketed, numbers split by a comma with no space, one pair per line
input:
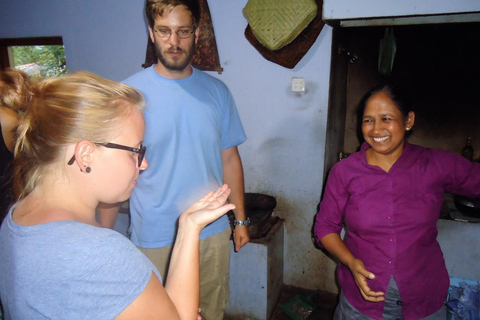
[240,237]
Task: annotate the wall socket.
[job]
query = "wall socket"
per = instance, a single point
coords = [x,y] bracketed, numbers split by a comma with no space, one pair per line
[298,84]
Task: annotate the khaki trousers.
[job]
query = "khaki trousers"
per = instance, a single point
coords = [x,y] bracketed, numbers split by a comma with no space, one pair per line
[214,272]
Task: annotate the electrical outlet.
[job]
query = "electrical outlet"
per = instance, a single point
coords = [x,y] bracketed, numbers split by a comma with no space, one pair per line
[298,84]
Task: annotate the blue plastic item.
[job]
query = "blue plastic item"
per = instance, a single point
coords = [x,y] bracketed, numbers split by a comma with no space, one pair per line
[463,302]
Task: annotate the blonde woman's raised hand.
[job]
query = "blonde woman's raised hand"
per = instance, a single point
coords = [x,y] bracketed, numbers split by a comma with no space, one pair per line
[208,209]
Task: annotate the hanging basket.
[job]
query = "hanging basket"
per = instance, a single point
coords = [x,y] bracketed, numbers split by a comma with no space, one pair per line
[276,23]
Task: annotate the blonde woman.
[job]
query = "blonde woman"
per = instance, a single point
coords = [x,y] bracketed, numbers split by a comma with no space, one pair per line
[80,143]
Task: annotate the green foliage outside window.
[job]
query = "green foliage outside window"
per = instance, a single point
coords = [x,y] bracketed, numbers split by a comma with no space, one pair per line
[45,61]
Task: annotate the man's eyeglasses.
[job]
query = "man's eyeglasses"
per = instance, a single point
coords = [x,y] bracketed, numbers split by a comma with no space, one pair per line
[141,151]
[183,33]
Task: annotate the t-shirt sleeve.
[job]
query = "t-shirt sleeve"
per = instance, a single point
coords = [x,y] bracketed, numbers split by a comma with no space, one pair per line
[103,284]
[232,129]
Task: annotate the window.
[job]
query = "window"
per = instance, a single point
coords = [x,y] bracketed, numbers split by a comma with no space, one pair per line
[38,57]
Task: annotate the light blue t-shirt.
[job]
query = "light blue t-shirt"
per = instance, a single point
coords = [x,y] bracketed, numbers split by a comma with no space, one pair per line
[188,123]
[68,270]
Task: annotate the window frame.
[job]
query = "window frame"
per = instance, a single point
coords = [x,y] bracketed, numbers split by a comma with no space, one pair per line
[30,41]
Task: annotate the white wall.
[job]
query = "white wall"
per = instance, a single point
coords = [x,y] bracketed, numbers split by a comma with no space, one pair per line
[284,153]
[352,9]
[107,37]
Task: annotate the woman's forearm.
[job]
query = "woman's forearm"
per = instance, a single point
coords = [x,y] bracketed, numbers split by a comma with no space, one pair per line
[183,285]
[335,245]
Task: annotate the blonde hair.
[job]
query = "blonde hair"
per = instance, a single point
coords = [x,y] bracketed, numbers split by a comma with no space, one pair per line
[15,90]
[66,110]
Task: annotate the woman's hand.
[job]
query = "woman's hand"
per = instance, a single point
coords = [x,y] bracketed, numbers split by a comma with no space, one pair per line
[335,245]
[360,274]
[208,209]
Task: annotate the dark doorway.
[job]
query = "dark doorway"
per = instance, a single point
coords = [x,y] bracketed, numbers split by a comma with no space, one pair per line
[439,64]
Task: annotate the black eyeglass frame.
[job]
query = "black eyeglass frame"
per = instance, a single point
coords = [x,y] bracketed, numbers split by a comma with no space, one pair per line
[141,151]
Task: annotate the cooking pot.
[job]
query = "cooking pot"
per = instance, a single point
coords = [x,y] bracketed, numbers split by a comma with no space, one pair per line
[467,206]
[258,208]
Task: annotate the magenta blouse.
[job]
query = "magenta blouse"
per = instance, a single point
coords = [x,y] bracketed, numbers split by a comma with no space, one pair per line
[391,222]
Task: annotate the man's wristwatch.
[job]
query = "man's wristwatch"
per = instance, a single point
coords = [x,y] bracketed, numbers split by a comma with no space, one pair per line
[241,222]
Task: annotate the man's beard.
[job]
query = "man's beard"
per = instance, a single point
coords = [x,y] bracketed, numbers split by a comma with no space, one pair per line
[178,65]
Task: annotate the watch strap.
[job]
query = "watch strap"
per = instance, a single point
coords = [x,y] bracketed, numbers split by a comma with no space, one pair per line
[241,222]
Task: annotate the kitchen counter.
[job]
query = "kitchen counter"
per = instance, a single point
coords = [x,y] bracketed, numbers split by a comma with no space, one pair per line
[450,212]
[460,243]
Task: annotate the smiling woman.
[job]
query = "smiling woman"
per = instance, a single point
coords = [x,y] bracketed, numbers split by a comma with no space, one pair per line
[385,120]
[388,196]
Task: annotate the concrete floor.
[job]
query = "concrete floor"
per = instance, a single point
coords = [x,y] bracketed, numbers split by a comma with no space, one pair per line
[323,304]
